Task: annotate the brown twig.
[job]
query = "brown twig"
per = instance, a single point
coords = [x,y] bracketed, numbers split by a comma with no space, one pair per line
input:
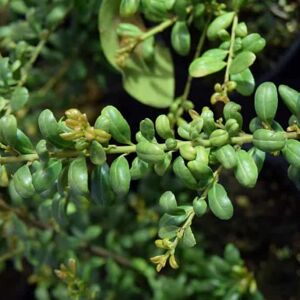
[96,250]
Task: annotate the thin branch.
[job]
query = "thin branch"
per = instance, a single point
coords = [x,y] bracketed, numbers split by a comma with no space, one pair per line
[96,250]
[102,252]
[199,48]
[231,49]
[114,149]
[23,216]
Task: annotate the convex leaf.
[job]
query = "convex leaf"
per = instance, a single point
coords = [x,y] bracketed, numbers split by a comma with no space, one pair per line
[219,203]
[266,101]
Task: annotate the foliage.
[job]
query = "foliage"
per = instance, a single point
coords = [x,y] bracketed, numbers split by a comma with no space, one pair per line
[66,195]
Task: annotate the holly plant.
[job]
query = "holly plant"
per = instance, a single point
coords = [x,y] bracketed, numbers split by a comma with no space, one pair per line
[76,165]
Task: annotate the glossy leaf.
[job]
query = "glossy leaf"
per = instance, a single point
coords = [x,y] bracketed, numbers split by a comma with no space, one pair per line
[140,81]
[118,126]
[199,206]
[51,131]
[294,175]
[226,156]
[291,99]
[97,153]
[268,140]
[8,128]
[101,190]
[150,152]
[246,171]
[183,173]
[254,43]
[188,239]
[242,62]
[180,38]
[23,182]
[218,138]
[245,82]
[219,23]
[78,177]
[291,152]
[204,66]
[161,168]
[258,156]
[129,7]
[23,144]
[120,177]
[219,203]
[139,169]
[163,127]
[45,178]
[217,54]
[266,101]
[168,202]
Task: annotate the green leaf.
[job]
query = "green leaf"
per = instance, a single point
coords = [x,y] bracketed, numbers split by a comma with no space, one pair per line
[294,175]
[219,23]
[139,169]
[163,127]
[201,171]
[226,156]
[150,152]
[242,61]
[4,180]
[291,152]
[217,54]
[129,30]
[168,201]
[45,178]
[181,38]
[199,206]
[13,194]
[169,220]
[129,7]
[59,209]
[147,129]
[101,190]
[218,138]
[253,42]
[120,177]
[8,128]
[258,156]
[78,177]
[23,182]
[232,255]
[183,173]
[140,80]
[291,99]
[51,130]
[209,122]
[246,171]
[23,144]
[232,111]
[204,66]
[19,98]
[168,232]
[161,168]
[245,82]
[219,203]
[188,238]
[266,101]
[97,153]
[118,126]
[268,140]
